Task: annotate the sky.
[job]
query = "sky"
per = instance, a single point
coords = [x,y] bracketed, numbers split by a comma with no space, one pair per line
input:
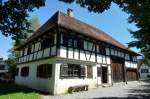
[112,21]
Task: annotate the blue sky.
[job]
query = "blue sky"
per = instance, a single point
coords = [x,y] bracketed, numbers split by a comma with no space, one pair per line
[113,22]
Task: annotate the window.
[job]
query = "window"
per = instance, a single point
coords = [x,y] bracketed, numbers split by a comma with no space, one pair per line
[72,70]
[80,44]
[102,50]
[17,71]
[144,70]
[98,71]
[70,42]
[25,71]
[131,58]
[65,40]
[29,49]
[47,42]
[89,72]
[44,71]
[75,43]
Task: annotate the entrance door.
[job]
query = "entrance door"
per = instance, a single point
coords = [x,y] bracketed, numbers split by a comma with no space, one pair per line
[118,70]
[104,74]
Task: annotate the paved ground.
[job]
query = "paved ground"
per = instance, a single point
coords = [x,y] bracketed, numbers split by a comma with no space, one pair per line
[133,90]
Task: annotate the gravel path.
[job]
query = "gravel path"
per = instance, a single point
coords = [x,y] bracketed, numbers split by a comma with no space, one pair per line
[131,90]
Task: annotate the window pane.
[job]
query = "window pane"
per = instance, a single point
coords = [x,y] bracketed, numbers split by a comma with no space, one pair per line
[44,70]
[25,71]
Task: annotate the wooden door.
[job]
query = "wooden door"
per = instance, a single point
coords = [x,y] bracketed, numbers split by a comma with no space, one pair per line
[118,70]
[131,75]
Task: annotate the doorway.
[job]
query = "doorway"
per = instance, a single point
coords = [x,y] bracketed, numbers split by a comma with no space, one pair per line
[104,74]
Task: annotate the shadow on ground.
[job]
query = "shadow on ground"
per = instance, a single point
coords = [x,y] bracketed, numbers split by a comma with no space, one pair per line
[142,93]
[11,88]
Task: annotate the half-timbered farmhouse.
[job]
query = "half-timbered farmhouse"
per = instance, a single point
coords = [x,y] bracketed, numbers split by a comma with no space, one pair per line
[66,52]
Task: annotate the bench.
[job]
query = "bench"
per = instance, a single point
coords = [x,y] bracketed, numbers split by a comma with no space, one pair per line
[78,88]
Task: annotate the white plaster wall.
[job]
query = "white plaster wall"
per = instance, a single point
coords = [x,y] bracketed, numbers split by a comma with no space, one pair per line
[63,52]
[92,58]
[104,60]
[32,81]
[129,64]
[39,54]
[35,54]
[87,55]
[76,54]
[62,85]
[37,46]
[109,75]
[46,52]
[108,60]
[99,58]
[53,50]
[31,57]
[82,55]
[70,53]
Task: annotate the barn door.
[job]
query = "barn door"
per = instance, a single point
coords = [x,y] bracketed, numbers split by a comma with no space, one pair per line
[131,74]
[118,71]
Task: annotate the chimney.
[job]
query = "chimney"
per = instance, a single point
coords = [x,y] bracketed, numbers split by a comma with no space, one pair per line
[70,12]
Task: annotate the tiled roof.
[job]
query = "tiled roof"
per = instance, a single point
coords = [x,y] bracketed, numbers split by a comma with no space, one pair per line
[68,22]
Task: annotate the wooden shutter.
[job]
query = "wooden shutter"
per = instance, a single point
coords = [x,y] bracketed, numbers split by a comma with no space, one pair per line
[82,71]
[64,70]
[89,72]
[98,71]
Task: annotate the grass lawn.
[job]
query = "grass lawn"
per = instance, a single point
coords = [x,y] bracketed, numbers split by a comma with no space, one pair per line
[11,91]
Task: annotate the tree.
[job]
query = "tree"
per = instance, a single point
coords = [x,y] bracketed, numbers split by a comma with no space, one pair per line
[12,62]
[14,14]
[34,25]
[139,11]
[12,58]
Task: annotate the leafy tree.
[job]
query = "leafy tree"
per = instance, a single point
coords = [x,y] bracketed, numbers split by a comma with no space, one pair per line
[12,62]
[14,14]
[34,25]
[12,58]
[139,11]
